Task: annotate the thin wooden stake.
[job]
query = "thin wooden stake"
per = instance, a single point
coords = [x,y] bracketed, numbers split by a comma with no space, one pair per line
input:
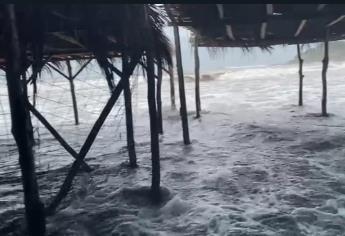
[301,76]
[183,109]
[197,78]
[324,78]
[74,99]
[34,208]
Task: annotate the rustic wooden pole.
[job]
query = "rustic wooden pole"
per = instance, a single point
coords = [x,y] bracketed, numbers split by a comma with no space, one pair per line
[301,76]
[151,100]
[172,87]
[34,209]
[159,96]
[197,78]
[324,77]
[183,109]
[74,99]
[155,184]
[128,109]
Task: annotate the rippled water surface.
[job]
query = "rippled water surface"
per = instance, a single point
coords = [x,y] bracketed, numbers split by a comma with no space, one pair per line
[258,164]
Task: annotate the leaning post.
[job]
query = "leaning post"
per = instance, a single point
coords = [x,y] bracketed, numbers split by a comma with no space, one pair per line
[183,109]
[74,99]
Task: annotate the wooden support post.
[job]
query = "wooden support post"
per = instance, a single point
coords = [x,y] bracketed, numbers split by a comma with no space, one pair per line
[74,99]
[34,209]
[183,109]
[197,78]
[128,108]
[324,77]
[159,97]
[155,184]
[300,72]
[172,87]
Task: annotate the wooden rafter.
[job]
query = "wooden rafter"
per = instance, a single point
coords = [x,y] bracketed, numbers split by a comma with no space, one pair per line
[340,18]
[229,32]
[220,11]
[263,30]
[300,27]
[269,9]
[68,39]
[321,6]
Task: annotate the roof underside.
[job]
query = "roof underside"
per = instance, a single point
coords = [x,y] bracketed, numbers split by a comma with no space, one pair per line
[66,28]
[259,25]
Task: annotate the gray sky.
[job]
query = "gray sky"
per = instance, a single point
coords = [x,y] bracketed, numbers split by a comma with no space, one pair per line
[232,57]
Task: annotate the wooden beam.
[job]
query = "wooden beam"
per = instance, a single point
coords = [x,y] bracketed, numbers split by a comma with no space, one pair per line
[220,11]
[81,68]
[340,18]
[277,41]
[68,39]
[55,134]
[321,6]
[229,32]
[279,19]
[58,71]
[269,9]
[263,30]
[300,27]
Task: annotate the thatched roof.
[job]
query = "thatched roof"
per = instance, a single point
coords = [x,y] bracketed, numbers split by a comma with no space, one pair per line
[248,25]
[79,31]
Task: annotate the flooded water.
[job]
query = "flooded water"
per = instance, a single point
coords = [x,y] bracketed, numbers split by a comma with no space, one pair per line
[258,164]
